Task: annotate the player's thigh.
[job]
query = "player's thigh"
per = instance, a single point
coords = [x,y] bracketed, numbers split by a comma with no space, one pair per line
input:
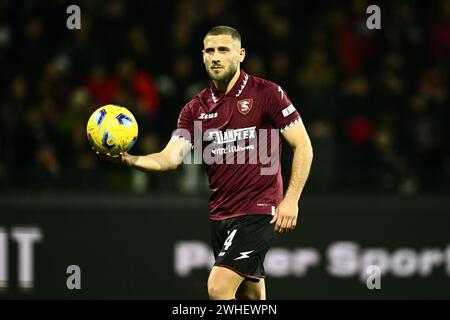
[250,290]
[223,283]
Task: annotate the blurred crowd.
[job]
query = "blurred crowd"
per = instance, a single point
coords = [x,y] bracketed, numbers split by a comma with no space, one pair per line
[375,102]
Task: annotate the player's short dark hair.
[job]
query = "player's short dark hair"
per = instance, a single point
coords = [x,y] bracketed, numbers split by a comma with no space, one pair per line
[224,30]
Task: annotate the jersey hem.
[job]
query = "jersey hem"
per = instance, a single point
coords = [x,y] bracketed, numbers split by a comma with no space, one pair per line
[239,214]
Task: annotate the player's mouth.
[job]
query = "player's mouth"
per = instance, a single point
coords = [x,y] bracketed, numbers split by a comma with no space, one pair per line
[216,67]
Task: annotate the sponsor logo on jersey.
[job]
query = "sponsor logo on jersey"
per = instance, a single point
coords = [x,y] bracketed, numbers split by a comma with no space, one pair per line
[244,106]
[220,137]
[206,116]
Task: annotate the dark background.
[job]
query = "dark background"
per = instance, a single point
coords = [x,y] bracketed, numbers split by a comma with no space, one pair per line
[375,103]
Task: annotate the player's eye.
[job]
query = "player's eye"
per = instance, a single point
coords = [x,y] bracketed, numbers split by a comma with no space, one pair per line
[209,50]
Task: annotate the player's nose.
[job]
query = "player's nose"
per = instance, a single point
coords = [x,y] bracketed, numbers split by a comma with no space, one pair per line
[215,57]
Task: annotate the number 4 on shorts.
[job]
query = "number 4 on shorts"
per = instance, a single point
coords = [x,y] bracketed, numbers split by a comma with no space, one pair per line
[227,243]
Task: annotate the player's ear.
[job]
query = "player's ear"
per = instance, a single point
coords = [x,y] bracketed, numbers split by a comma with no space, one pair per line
[203,55]
[241,55]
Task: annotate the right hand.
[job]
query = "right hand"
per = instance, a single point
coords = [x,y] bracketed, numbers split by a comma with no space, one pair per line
[121,158]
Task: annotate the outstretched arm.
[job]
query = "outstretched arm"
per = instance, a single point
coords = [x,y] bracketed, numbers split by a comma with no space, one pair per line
[168,159]
[285,217]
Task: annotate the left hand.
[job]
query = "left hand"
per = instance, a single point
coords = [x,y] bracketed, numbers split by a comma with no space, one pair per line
[285,217]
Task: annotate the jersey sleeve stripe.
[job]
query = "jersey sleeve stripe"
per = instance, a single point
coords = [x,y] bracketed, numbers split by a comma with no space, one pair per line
[298,120]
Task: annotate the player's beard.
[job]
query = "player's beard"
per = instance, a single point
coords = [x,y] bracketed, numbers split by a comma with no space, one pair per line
[225,76]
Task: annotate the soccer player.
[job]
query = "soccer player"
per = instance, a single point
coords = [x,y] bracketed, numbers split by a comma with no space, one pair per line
[247,207]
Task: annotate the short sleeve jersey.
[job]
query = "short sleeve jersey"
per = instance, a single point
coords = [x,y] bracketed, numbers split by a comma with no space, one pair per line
[237,135]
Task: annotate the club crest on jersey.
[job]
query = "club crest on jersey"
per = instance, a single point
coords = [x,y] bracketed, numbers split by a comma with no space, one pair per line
[244,106]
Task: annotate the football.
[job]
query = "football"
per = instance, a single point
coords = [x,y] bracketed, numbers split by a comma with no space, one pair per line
[112,129]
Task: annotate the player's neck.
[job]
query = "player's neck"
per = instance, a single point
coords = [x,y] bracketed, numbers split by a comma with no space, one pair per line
[225,86]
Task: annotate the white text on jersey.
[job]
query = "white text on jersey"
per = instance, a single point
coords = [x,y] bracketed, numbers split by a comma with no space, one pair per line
[220,137]
[206,116]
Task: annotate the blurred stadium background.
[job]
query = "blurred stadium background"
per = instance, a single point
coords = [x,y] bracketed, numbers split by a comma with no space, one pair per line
[375,103]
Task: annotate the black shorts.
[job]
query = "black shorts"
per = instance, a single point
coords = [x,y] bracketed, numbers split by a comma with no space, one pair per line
[241,243]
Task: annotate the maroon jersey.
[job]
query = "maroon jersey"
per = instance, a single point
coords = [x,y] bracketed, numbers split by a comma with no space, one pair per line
[235,134]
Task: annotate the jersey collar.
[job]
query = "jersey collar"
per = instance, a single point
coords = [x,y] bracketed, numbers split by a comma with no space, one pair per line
[234,92]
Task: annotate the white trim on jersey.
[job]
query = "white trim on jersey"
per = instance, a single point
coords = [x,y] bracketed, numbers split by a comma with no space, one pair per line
[244,83]
[288,110]
[298,120]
